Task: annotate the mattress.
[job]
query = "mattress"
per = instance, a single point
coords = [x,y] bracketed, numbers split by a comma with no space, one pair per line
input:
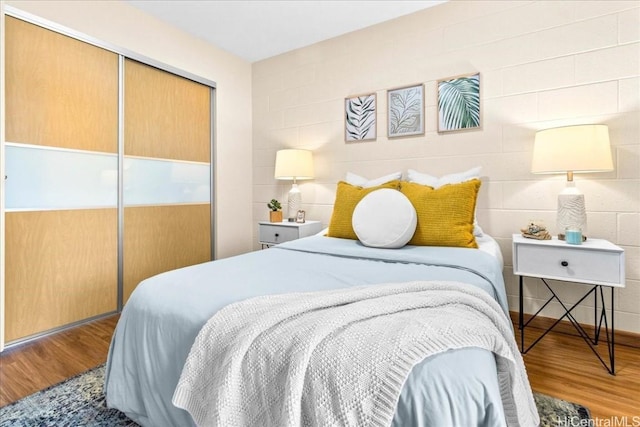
[165,313]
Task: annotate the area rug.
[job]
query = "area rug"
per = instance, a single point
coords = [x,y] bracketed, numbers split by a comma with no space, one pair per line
[79,402]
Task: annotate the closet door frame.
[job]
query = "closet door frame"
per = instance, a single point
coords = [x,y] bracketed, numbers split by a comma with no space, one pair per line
[6,10]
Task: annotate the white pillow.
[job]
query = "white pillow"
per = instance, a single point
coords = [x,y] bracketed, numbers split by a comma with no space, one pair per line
[363,182]
[453,178]
[435,182]
[384,218]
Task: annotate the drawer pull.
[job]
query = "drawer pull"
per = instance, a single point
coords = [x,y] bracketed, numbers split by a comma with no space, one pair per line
[564,263]
[277,235]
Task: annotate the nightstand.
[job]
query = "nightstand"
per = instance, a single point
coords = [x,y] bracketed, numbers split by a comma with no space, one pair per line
[596,263]
[273,233]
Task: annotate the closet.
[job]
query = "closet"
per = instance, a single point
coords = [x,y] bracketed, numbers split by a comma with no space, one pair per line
[108,161]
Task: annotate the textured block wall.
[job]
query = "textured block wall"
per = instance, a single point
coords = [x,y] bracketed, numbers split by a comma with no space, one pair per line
[543,64]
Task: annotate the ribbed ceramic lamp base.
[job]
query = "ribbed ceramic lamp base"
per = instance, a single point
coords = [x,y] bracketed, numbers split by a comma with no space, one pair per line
[294,201]
[571,213]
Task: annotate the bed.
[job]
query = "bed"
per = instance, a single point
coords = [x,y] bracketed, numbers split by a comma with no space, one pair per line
[164,315]
[396,316]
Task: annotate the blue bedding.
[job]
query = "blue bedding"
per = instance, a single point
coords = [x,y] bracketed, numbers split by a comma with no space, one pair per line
[165,313]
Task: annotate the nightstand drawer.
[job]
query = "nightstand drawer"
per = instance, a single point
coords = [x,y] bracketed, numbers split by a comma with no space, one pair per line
[568,263]
[274,234]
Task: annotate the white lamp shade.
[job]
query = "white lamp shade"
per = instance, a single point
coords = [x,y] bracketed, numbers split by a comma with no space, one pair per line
[294,164]
[582,148]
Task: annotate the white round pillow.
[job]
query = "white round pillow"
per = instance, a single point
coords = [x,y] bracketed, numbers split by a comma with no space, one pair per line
[384,218]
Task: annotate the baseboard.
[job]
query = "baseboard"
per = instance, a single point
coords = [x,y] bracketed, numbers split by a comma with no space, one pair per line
[629,339]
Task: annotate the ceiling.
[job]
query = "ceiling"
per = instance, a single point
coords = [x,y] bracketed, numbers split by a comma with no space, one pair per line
[255,30]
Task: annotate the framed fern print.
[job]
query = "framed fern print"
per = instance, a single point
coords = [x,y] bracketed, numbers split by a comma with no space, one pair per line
[405,116]
[459,103]
[360,118]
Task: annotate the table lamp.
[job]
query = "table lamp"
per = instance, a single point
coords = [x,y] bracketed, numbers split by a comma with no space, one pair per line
[572,149]
[293,164]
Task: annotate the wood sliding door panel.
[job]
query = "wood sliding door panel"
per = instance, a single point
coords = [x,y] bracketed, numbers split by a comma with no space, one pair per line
[61,267]
[163,238]
[60,91]
[166,116]
[82,109]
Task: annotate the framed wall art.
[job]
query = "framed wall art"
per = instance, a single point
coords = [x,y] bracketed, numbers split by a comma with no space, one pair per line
[459,103]
[360,118]
[405,115]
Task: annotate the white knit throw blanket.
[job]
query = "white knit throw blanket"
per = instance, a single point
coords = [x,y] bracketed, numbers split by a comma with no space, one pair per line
[341,357]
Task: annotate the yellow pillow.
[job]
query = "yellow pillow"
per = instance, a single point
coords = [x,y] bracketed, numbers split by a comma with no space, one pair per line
[347,197]
[445,215]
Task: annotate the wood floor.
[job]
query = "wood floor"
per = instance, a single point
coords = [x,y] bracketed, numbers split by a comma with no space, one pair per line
[36,365]
[563,366]
[560,365]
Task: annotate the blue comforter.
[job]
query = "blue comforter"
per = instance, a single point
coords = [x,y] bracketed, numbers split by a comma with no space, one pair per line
[165,313]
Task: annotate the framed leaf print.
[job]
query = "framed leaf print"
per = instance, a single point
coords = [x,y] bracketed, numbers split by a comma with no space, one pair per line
[406,111]
[459,103]
[360,118]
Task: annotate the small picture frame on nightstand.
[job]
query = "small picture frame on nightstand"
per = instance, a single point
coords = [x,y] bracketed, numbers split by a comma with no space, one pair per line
[300,217]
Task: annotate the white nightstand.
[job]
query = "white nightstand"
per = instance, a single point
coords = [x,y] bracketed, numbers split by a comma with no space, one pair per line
[272,233]
[595,262]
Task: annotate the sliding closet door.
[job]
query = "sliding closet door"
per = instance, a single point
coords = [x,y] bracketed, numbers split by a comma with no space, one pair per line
[167,192]
[61,187]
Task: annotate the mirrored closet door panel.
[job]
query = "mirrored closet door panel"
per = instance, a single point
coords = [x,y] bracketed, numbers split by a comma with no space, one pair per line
[61,188]
[167,173]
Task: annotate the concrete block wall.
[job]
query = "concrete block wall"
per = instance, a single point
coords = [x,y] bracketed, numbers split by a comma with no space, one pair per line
[542,63]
